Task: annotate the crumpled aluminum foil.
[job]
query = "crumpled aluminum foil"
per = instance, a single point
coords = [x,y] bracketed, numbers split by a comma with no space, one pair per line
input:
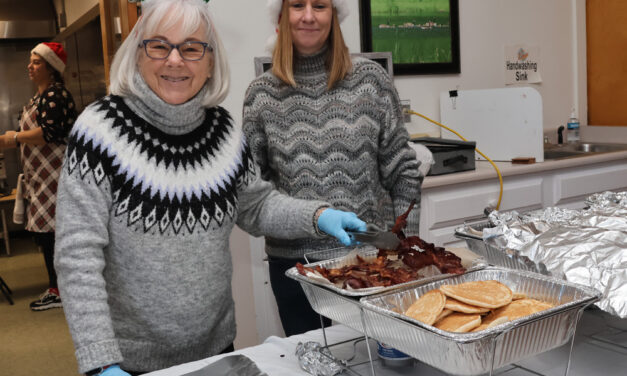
[587,246]
[316,359]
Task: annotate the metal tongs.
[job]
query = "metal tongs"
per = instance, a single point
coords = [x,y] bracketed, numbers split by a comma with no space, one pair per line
[376,236]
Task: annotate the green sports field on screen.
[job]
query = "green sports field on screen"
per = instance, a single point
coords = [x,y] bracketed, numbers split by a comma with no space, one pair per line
[415,31]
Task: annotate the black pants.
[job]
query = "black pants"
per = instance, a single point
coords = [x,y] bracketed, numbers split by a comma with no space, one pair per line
[46,241]
[295,312]
[228,349]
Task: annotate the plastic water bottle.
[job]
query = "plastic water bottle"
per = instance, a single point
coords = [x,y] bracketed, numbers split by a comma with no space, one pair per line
[572,135]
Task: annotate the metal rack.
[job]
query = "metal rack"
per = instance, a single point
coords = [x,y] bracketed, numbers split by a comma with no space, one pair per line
[360,316]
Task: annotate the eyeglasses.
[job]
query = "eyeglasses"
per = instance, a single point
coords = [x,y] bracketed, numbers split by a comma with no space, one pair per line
[190,51]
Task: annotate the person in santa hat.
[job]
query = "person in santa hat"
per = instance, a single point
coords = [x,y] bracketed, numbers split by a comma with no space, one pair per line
[45,123]
[326,126]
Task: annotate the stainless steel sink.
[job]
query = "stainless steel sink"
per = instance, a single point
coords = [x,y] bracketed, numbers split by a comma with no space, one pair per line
[599,148]
[559,154]
[579,149]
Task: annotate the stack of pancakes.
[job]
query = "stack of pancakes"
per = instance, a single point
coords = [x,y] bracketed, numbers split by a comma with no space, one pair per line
[472,306]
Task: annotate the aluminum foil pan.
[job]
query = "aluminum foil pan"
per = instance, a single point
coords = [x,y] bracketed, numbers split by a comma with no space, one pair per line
[496,255]
[370,253]
[480,352]
[342,305]
[586,246]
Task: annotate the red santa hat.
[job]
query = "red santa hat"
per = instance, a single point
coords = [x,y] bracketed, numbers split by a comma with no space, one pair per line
[53,53]
[274,8]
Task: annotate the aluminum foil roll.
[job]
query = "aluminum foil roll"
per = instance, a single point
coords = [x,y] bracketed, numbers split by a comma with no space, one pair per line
[587,246]
[316,359]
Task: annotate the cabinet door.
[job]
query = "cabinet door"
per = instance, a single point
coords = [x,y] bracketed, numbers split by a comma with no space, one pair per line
[572,187]
[446,208]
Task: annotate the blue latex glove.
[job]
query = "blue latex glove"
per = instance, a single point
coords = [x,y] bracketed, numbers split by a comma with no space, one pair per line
[114,371]
[336,222]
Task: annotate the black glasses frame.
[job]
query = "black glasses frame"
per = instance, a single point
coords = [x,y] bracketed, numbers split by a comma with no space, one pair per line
[205,46]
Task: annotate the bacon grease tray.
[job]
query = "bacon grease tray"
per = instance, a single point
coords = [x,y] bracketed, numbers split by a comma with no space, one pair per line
[343,305]
[480,352]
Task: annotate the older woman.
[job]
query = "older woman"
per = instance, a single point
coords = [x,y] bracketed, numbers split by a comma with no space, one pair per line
[327,127]
[44,127]
[156,176]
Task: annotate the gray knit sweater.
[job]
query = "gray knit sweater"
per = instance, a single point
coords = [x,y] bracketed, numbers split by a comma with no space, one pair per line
[147,200]
[347,146]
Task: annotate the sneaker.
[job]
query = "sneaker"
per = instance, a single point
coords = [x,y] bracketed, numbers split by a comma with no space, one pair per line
[47,300]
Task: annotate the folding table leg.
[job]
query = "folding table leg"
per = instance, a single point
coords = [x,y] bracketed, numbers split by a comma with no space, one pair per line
[5,233]
[6,291]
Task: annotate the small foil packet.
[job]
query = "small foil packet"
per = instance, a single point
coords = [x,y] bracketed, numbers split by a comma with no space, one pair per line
[317,360]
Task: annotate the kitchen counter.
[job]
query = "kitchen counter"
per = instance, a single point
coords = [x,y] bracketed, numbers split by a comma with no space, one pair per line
[484,170]
[447,201]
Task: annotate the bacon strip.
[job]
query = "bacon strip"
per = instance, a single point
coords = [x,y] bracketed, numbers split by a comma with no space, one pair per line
[380,273]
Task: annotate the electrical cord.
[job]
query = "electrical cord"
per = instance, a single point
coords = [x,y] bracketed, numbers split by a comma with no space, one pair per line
[498,204]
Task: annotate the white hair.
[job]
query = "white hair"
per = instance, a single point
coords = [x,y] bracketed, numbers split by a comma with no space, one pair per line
[157,17]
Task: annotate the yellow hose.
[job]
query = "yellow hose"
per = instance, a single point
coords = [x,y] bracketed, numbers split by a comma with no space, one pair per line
[498,204]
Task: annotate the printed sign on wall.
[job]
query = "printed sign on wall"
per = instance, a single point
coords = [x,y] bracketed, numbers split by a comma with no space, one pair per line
[521,65]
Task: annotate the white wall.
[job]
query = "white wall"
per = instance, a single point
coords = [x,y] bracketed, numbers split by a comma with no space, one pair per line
[74,9]
[486,26]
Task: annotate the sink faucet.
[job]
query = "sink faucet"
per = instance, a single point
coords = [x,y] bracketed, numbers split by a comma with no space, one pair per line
[560,137]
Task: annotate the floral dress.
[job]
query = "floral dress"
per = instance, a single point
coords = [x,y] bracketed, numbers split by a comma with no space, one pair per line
[54,111]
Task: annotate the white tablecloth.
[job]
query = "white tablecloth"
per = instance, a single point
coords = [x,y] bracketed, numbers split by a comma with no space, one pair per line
[275,356]
[599,350]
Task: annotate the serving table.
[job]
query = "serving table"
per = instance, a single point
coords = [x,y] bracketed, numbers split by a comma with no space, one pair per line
[600,348]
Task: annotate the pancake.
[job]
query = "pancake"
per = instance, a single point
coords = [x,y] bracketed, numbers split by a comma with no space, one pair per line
[493,323]
[428,307]
[519,295]
[459,322]
[445,312]
[457,306]
[517,309]
[485,294]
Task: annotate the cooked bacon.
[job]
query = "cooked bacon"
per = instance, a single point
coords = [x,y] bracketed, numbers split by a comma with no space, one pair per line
[355,283]
[401,222]
[379,272]
[445,261]
[365,274]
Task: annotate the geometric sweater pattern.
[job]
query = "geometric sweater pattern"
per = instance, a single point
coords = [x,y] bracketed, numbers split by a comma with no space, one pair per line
[144,217]
[153,195]
[346,145]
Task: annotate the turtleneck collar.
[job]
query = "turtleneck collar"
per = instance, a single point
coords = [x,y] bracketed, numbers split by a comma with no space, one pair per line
[310,65]
[169,118]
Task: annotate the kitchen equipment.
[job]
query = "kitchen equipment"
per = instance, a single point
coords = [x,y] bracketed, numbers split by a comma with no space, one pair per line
[585,246]
[506,258]
[480,352]
[506,123]
[342,305]
[449,155]
[380,239]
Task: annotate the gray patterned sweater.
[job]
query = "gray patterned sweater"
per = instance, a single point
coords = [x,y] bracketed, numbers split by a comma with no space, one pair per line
[347,146]
[148,197]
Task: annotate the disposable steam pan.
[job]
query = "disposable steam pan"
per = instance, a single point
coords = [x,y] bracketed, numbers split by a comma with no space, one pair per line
[343,305]
[480,352]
